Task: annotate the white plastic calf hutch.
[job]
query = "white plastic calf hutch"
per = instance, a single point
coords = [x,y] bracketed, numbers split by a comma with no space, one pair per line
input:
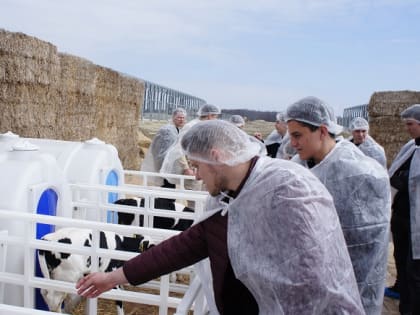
[7,140]
[31,182]
[91,162]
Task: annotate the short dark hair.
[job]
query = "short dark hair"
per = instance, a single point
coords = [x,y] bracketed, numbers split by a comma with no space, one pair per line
[313,128]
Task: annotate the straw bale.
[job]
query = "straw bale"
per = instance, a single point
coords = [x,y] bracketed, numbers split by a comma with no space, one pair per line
[391,103]
[25,45]
[19,69]
[26,59]
[144,144]
[385,124]
[77,75]
[143,140]
[24,109]
[45,93]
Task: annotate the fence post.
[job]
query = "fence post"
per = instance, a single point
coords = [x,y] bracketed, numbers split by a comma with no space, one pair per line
[28,265]
[164,293]
[92,304]
[3,255]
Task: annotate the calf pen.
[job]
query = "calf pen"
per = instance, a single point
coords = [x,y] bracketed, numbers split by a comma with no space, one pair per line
[191,298]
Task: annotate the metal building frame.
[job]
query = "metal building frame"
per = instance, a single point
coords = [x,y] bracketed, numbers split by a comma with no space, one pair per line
[160,101]
[352,112]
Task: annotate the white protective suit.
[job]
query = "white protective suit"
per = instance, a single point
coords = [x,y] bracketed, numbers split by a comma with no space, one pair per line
[273,137]
[414,189]
[163,140]
[373,149]
[361,191]
[174,161]
[286,245]
[286,151]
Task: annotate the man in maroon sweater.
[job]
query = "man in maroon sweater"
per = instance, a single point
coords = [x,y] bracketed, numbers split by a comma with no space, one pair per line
[270,231]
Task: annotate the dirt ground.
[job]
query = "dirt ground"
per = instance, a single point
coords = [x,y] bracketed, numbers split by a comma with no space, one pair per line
[150,127]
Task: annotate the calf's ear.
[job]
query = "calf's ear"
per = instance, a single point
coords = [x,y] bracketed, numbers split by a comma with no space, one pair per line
[145,245]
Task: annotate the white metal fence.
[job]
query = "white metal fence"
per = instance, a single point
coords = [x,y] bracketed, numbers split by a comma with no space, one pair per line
[193,298]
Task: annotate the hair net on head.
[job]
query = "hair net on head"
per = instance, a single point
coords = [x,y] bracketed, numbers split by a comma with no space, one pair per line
[233,145]
[208,109]
[281,117]
[313,111]
[359,123]
[412,113]
[237,120]
[179,110]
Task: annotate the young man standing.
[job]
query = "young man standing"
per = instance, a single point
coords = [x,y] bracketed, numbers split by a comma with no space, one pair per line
[360,189]
[359,128]
[405,223]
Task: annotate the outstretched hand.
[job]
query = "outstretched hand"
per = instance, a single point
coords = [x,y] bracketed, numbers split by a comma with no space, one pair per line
[95,284]
[259,136]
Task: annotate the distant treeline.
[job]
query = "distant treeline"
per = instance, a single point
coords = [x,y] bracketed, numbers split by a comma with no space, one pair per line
[251,114]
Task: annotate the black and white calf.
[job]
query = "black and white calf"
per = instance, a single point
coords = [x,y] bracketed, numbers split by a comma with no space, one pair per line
[72,267]
[158,222]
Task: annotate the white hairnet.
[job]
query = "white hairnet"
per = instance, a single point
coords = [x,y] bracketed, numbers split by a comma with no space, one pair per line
[412,113]
[208,109]
[313,111]
[233,144]
[237,120]
[281,117]
[359,123]
[179,110]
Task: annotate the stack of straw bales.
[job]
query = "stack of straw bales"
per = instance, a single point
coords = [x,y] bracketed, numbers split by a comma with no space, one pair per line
[385,123]
[47,94]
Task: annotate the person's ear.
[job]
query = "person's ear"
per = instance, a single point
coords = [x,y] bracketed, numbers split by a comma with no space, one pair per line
[215,155]
[324,131]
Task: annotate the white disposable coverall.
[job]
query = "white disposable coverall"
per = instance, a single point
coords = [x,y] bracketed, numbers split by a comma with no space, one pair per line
[414,189]
[373,149]
[163,140]
[361,191]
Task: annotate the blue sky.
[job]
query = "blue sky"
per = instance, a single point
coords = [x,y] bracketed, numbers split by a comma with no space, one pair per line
[261,55]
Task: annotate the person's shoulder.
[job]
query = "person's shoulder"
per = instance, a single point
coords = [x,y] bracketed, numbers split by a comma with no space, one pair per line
[167,127]
[410,146]
[350,159]
[411,143]
[348,149]
[372,142]
[284,179]
[280,169]
[166,130]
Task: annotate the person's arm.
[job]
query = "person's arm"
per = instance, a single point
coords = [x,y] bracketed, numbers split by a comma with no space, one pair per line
[183,162]
[177,252]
